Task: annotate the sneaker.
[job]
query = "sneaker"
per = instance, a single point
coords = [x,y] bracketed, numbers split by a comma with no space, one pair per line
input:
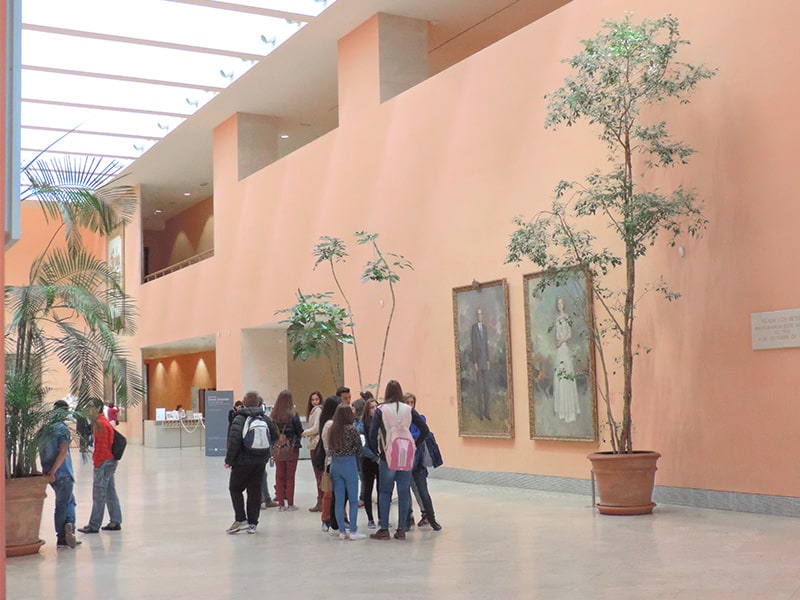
[281,509]
[435,525]
[344,536]
[381,534]
[399,534]
[236,527]
[325,527]
[423,522]
[112,526]
[271,504]
[371,525]
[291,508]
[337,532]
[251,528]
[88,529]
[69,535]
[357,536]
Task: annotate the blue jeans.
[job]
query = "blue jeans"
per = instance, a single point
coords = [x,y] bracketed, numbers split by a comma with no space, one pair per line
[344,473]
[105,494]
[65,505]
[386,481]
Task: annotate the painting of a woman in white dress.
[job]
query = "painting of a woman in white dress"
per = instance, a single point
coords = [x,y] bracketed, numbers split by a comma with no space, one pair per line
[558,314]
[565,390]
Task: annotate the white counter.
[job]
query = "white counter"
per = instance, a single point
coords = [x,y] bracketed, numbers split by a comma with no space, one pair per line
[185,433]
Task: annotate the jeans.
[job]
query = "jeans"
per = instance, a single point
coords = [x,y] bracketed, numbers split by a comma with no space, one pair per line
[420,479]
[246,477]
[344,473]
[65,505]
[105,494]
[284,477]
[386,481]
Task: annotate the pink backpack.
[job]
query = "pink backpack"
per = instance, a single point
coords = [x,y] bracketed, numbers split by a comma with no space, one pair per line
[398,444]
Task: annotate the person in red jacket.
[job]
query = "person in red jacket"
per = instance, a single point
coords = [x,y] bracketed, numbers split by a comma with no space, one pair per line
[103,491]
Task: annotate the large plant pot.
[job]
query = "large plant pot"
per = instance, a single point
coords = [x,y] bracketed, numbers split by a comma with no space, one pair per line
[625,482]
[24,502]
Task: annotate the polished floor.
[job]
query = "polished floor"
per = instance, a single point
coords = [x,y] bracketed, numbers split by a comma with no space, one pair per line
[497,543]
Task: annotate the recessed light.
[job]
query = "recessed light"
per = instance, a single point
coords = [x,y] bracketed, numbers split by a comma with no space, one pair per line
[187,193]
[284,136]
[158,211]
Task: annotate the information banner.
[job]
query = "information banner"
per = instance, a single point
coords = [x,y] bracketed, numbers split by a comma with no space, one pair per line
[218,403]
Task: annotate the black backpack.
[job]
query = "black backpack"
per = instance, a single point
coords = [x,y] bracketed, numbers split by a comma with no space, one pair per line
[118,445]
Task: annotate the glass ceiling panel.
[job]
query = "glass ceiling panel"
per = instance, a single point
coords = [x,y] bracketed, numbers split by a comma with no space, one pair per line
[304,7]
[158,20]
[69,117]
[130,60]
[80,143]
[105,92]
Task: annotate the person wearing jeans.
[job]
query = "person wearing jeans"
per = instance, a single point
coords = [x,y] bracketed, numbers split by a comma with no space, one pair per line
[387,478]
[344,445]
[104,493]
[57,464]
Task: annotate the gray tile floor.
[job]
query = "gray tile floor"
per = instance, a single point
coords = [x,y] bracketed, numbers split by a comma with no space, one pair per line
[498,543]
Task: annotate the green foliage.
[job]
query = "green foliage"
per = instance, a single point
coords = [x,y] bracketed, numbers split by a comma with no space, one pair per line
[72,308]
[625,68]
[315,324]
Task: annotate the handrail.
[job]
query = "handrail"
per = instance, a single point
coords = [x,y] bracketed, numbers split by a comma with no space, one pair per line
[180,265]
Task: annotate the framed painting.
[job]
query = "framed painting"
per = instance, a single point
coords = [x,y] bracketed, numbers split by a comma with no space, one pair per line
[560,350]
[483,360]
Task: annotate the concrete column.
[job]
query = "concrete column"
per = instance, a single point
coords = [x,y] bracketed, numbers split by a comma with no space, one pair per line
[378,60]
[256,143]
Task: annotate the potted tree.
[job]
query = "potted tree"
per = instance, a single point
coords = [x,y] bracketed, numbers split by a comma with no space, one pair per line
[619,80]
[71,310]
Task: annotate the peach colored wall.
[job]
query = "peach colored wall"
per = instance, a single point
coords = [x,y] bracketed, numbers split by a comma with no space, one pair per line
[3,175]
[171,380]
[187,234]
[441,170]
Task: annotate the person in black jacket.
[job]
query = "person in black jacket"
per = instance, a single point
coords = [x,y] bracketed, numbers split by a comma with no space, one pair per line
[247,466]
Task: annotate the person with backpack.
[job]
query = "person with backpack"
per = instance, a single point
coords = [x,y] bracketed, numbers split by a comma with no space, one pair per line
[104,492]
[250,437]
[419,475]
[286,450]
[390,438]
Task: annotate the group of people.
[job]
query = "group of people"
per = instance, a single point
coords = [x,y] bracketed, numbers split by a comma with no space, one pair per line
[57,464]
[353,444]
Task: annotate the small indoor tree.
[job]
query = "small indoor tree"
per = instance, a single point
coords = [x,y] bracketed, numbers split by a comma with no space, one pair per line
[383,267]
[619,80]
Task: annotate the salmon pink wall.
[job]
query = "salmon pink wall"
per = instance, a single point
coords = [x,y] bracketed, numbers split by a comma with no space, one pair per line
[171,380]
[185,235]
[440,171]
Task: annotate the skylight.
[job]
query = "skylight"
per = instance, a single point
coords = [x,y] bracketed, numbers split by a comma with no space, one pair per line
[116,76]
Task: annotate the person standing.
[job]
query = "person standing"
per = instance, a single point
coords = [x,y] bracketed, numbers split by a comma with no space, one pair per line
[57,465]
[419,476]
[565,389]
[246,464]
[311,432]
[104,492]
[343,393]
[369,460]
[113,414]
[480,363]
[344,447]
[288,423]
[403,415]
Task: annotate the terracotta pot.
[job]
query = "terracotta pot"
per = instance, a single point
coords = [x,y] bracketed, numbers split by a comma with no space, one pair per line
[625,482]
[24,501]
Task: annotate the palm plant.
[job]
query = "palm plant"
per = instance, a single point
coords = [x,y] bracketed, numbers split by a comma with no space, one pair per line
[72,308]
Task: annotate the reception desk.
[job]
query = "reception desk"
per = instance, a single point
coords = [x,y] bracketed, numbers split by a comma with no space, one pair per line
[184,433]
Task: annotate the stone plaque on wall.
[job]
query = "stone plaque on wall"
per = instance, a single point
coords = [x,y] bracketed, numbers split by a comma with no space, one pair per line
[775,329]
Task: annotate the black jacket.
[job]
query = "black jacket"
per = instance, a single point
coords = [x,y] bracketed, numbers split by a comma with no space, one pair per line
[237,453]
[293,431]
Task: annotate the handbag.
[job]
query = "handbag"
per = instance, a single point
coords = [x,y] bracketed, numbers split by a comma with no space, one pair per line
[325,482]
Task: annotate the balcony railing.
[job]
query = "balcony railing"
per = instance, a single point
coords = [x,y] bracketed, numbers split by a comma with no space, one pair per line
[180,265]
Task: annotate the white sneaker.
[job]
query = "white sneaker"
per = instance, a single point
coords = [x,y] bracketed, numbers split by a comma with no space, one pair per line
[251,528]
[343,536]
[358,536]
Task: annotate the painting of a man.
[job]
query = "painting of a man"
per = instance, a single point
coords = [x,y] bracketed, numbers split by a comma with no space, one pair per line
[480,362]
[483,361]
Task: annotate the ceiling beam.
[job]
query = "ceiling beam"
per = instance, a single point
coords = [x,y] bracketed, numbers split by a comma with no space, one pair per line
[253,10]
[140,111]
[76,153]
[89,132]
